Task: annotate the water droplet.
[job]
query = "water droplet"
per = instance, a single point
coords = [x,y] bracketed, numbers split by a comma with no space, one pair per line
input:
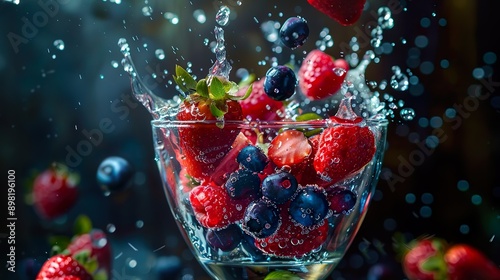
[200,16]
[171,17]
[160,54]
[147,11]
[111,228]
[13,1]
[59,44]
[222,16]
[407,114]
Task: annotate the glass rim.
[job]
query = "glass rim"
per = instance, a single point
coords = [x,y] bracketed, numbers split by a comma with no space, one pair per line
[269,124]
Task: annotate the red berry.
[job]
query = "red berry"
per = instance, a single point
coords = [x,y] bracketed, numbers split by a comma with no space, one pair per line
[205,144]
[54,192]
[424,259]
[466,262]
[320,76]
[344,148]
[97,244]
[63,267]
[293,240]
[289,148]
[213,208]
[259,106]
[345,12]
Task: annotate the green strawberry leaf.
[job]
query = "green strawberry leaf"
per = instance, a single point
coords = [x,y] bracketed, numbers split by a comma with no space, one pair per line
[58,243]
[202,88]
[217,90]
[184,80]
[282,275]
[247,94]
[218,110]
[82,225]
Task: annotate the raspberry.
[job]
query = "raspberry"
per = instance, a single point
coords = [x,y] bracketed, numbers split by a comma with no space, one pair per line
[213,208]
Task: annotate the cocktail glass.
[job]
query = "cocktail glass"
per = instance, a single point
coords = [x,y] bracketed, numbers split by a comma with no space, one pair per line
[225,248]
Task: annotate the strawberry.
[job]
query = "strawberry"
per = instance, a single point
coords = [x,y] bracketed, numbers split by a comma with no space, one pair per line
[466,262]
[345,12]
[345,147]
[289,148]
[423,259]
[259,106]
[320,75]
[96,243]
[229,163]
[54,191]
[205,144]
[62,267]
[213,208]
[292,239]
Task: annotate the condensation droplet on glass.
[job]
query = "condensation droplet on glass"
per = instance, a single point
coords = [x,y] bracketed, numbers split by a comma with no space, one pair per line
[59,44]
[222,16]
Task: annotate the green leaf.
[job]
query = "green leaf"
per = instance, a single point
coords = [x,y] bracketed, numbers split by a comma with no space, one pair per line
[82,225]
[282,275]
[217,90]
[308,117]
[202,88]
[59,242]
[216,110]
[184,80]
[247,94]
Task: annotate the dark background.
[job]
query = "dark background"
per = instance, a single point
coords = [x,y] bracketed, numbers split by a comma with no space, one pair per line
[47,101]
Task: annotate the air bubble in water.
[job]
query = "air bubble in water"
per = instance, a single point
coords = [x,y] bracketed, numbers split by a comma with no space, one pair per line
[407,114]
[59,44]
[385,19]
[222,16]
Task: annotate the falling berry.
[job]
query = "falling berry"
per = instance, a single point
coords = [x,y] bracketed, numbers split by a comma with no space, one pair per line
[294,32]
[114,174]
[280,82]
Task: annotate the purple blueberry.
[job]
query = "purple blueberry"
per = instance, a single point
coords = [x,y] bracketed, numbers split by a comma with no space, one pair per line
[114,174]
[224,239]
[243,183]
[341,200]
[280,82]
[261,219]
[252,158]
[294,32]
[309,207]
[279,187]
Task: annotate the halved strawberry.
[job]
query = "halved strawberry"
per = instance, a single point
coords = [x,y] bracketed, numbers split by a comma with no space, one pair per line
[229,164]
[289,148]
[345,12]
[320,76]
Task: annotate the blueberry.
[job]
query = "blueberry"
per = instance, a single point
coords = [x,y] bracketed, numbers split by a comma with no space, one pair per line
[279,187]
[114,174]
[243,183]
[341,200]
[248,244]
[261,219]
[224,239]
[252,158]
[294,32]
[309,207]
[280,82]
